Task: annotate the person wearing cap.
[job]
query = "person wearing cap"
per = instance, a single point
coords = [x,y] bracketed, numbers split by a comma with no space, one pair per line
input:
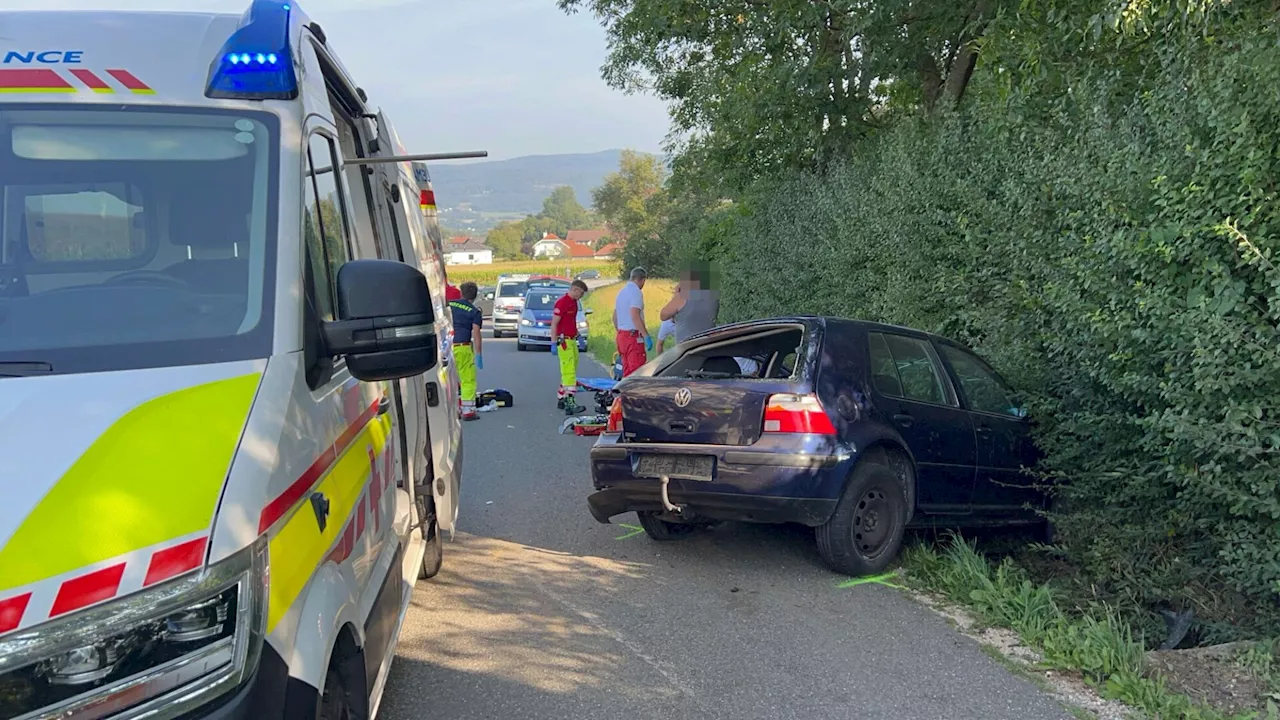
[467,320]
[633,339]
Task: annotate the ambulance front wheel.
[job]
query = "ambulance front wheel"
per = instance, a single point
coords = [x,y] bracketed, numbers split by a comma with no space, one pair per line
[433,557]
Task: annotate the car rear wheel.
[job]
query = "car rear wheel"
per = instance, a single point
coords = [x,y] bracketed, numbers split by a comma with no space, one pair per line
[864,533]
[664,531]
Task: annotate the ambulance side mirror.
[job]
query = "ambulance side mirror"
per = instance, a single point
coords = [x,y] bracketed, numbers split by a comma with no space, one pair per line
[386,325]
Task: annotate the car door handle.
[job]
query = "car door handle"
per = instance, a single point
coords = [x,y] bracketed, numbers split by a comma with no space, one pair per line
[904,420]
[983,430]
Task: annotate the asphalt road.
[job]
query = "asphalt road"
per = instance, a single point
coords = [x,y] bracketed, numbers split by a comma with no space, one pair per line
[541,612]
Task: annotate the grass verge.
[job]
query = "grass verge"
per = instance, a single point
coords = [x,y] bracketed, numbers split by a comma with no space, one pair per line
[601,341]
[1095,642]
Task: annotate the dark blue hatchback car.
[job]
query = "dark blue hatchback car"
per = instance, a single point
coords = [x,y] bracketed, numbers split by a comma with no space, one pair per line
[853,428]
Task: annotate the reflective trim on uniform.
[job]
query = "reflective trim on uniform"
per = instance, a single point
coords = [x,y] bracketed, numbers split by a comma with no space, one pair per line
[153,476]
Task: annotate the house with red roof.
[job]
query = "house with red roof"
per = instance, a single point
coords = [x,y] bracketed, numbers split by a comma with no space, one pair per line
[579,250]
[550,246]
[610,251]
[593,239]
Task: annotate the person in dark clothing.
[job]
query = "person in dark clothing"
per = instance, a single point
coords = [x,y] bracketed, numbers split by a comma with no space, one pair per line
[467,321]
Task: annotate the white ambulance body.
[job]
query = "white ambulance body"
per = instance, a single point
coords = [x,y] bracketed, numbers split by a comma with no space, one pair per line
[230,437]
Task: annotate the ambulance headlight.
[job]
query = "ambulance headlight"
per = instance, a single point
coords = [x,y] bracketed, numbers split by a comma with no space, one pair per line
[176,646]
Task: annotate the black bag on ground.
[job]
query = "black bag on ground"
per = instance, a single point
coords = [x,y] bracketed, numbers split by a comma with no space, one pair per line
[500,396]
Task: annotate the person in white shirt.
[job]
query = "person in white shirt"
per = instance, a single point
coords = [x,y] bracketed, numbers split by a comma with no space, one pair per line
[633,338]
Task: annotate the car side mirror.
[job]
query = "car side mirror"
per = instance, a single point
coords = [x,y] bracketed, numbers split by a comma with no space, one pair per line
[488,296]
[1019,409]
[385,326]
[588,311]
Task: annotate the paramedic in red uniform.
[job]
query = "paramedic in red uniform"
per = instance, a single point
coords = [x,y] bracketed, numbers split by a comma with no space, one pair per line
[633,338]
[564,342]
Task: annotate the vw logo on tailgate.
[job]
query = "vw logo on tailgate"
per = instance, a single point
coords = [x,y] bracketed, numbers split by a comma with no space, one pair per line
[683,396]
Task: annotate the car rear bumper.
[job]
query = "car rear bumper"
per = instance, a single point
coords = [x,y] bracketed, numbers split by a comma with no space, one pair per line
[503,321]
[606,504]
[766,482]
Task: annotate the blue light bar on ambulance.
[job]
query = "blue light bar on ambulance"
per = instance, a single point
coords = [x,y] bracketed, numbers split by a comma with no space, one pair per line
[256,62]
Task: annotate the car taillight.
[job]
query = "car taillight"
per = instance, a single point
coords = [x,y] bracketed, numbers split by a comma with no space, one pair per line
[615,417]
[796,414]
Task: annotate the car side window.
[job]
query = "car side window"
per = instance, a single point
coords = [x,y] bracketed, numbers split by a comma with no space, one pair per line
[983,390]
[918,372]
[884,374]
[326,227]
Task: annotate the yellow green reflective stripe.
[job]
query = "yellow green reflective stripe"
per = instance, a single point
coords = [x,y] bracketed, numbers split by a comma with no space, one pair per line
[154,475]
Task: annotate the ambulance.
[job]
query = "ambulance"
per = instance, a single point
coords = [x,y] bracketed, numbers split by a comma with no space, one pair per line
[230,444]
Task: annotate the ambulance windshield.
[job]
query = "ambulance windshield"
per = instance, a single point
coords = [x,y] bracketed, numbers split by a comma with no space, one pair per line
[134,238]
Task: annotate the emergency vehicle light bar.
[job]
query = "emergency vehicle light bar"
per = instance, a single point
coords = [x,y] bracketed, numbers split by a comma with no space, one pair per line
[256,62]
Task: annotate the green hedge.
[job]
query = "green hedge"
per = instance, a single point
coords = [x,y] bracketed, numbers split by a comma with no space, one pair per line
[1113,253]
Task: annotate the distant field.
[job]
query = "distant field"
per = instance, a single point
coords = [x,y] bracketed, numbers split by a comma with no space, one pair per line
[602,341]
[488,274]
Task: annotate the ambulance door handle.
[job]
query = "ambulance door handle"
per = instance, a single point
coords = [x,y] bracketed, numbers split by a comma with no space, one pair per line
[384,404]
[320,505]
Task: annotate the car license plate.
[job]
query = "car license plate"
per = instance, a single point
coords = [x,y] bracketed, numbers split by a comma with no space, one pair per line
[688,467]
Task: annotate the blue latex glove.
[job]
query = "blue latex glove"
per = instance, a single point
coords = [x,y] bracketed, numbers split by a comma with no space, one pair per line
[479,362]
[555,348]
[648,343]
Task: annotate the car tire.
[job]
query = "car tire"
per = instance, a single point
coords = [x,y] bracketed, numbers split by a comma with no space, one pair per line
[521,347]
[334,703]
[663,531]
[498,335]
[433,557]
[864,534]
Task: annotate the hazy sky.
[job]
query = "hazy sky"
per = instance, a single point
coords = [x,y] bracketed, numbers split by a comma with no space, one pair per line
[514,77]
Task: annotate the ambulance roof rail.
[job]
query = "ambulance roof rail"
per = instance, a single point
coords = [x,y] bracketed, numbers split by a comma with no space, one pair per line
[256,62]
[418,158]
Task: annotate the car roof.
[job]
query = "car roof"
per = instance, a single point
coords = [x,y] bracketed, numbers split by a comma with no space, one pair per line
[824,321]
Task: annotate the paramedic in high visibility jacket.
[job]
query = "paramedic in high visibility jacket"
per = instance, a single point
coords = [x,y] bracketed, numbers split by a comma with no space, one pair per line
[467,320]
[564,342]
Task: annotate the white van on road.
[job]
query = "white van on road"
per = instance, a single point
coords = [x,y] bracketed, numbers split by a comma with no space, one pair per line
[230,434]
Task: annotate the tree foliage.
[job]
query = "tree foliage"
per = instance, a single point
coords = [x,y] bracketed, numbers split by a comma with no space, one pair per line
[634,204]
[564,211]
[561,212]
[760,87]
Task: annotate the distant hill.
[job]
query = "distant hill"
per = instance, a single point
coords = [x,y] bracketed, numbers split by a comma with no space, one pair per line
[519,185]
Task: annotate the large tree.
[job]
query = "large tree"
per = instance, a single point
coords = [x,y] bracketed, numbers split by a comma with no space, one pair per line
[564,211]
[630,199]
[761,85]
[507,239]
